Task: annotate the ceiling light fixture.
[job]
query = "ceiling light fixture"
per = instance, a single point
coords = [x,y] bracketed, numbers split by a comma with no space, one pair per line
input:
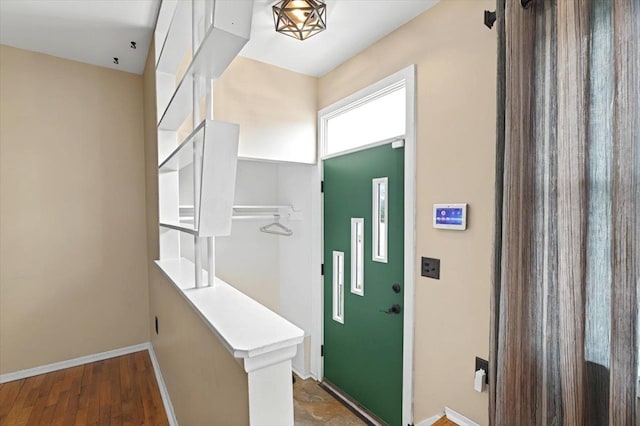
[300,19]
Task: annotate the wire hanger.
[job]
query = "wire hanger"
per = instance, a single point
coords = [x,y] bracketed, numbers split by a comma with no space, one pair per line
[277,228]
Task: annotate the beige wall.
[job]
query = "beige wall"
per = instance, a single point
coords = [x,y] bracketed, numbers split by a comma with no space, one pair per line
[206,384]
[73,280]
[456,66]
[275,107]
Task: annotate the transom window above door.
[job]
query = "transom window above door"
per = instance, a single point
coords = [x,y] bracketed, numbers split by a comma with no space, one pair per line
[375,118]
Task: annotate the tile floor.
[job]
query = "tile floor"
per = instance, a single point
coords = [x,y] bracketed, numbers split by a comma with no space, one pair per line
[314,406]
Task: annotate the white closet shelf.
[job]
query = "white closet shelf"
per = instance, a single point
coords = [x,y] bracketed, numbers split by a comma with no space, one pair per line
[214,144]
[177,39]
[185,210]
[182,156]
[265,212]
[180,226]
[244,326]
[266,207]
[214,55]
[165,15]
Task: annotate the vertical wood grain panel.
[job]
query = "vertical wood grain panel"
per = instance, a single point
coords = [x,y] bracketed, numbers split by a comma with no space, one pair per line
[514,341]
[626,205]
[496,259]
[573,72]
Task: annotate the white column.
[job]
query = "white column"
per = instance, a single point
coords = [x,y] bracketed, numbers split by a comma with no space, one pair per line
[211,260]
[271,388]
[208,87]
[197,172]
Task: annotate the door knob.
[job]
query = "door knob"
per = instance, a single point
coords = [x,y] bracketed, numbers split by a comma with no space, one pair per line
[394,309]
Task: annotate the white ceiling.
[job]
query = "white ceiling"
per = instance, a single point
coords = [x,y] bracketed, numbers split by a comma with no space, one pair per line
[96,31]
[91,31]
[352,26]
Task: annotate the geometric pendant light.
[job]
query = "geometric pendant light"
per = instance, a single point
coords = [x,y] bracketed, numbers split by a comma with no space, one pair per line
[300,19]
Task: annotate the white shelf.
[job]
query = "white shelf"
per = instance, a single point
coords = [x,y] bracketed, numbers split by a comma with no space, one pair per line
[216,52]
[215,145]
[266,207]
[179,106]
[245,327]
[185,211]
[177,40]
[182,156]
[181,226]
[165,15]
[258,212]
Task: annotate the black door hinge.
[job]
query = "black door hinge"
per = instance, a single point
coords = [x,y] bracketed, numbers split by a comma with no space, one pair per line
[322,186]
[321,350]
[322,269]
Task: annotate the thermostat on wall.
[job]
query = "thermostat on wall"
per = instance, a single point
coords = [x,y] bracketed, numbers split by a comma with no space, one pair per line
[450,216]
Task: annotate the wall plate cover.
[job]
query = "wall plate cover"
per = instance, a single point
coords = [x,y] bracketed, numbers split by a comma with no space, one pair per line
[483,364]
[430,267]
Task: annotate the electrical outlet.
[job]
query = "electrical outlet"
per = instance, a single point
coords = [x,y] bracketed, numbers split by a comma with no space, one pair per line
[431,268]
[483,364]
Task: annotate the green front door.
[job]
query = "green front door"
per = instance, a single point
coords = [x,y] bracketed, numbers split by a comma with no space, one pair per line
[364,238]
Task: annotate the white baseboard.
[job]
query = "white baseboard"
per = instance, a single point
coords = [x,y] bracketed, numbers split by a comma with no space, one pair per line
[302,376]
[458,418]
[431,420]
[30,372]
[43,369]
[164,393]
[452,415]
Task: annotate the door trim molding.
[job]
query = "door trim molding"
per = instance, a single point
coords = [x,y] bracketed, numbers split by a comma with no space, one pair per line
[364,147]
[408,77]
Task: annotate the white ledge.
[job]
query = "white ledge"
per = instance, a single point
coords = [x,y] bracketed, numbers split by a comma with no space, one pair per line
[245,327]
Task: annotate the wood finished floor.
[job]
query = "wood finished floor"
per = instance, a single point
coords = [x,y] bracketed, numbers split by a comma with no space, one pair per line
[116,391]
[444,421]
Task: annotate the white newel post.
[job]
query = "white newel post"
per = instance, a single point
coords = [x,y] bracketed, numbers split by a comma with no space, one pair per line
[271,387]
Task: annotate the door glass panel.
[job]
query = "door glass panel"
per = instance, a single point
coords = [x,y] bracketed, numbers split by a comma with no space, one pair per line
[338,286]
[380,219]
[357,256]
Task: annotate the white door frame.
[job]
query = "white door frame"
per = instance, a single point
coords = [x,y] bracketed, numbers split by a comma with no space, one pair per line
[406,75]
